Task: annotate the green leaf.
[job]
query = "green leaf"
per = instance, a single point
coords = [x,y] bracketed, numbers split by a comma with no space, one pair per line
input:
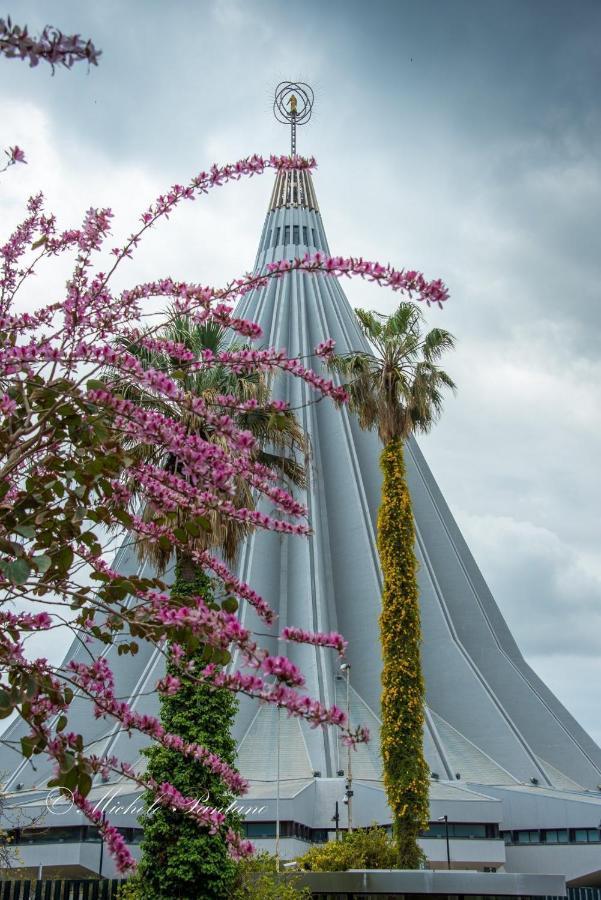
[17,571]
[84,785]
[71,778]
[164,542]
[27,745]
[26,531]
[95,385]
[230,605]
[68,762]
[30,687]
[42,563]
[194,527]
[61,723]
[5,701]
[63,559]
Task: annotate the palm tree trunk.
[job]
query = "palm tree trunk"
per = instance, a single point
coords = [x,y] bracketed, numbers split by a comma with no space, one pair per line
[406,775]
[187,569]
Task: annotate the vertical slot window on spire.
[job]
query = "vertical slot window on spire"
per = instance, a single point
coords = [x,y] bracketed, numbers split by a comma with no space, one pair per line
[295,235]
[314,233]
[268,239]
[276,239]
[305,236]
[286,235]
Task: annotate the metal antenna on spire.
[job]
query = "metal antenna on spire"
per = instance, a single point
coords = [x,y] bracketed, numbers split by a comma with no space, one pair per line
[293,105]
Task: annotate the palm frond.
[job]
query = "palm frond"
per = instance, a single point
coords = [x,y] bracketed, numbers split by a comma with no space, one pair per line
[281,442]
[397,388]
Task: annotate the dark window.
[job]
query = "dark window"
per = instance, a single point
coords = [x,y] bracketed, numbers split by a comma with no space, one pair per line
[528,837]
[276,238]
[259,829]
[286,235]
[314,233]
[556,835]
[295,235]
[305,236]
[268,238]
[585,835]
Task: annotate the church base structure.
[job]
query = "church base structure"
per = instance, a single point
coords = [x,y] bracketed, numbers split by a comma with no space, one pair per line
[490,830]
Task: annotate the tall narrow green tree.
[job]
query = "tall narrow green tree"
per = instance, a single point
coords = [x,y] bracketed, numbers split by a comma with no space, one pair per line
[397,389]
[178,859]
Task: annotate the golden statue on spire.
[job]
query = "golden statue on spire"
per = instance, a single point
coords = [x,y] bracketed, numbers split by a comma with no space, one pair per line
[292,106]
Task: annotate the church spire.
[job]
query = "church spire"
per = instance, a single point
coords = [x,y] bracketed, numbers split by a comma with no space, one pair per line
[293,226]
[293,105]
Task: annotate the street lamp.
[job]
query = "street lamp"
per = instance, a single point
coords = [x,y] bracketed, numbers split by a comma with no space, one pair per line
[346,668]
[445,819]
[103,820]
[277,796]
[336,820]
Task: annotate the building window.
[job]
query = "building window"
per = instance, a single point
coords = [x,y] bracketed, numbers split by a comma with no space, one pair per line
[314,233]
[527,837]
[305,236]
[468,831]
[286,235]
[586,835]
[268,239]
[295,235]
[556,836]
[276,239]
[259,829]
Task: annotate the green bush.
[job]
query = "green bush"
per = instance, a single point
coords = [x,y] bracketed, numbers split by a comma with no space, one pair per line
[130,889]
[256,879]
[370,848]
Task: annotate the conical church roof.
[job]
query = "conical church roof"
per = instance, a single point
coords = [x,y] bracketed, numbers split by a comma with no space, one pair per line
[490,717]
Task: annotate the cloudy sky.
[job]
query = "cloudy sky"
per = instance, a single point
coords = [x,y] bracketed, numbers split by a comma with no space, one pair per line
[460,138]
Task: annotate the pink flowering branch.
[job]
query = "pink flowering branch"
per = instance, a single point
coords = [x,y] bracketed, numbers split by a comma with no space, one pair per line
[15,155]
[51,46]
[300,636]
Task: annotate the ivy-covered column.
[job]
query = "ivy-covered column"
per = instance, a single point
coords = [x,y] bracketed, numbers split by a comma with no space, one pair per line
[406,775]
[179,859]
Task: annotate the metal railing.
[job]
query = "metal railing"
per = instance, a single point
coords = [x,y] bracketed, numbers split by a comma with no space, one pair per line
[59,889]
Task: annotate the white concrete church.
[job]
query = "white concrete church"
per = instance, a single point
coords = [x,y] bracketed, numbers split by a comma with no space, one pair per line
[516,776]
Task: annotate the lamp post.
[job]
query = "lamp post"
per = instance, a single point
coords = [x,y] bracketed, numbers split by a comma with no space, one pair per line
[346,668]
[277,797]
[445,819]
[101,845]
[336,820]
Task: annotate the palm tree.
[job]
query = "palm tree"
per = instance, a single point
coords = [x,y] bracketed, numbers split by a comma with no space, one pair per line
[397,389]
[177,859]
[280,438]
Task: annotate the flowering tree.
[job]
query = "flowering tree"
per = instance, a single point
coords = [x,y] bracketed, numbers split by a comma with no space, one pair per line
[64,476]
